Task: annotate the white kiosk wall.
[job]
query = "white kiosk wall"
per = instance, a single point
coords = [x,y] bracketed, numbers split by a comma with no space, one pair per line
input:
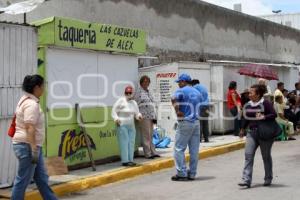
[87,77]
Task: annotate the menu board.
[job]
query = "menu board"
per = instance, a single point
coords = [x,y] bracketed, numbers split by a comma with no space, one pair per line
[166,85]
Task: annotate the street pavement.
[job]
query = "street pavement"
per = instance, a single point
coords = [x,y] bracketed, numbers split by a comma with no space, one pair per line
[217,179]
[82,174]
[215,141]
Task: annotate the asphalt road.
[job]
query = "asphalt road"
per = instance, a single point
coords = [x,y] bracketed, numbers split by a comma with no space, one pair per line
[217,179]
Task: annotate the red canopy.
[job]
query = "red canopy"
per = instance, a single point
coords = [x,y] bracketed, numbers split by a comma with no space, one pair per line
[258,71]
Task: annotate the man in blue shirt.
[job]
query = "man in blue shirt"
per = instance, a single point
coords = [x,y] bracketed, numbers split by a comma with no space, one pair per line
[204,109]
[186,101]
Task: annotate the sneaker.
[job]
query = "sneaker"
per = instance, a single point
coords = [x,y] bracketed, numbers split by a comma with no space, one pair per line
[291,138]
[179,178]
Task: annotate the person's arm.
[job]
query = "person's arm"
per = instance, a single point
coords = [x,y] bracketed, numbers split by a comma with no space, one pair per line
[114,112]
[31,115]
[30,130]
[269,111]
[234,98]
[244,122]
[176,107]
[137,113]
[281,113]
[177,96]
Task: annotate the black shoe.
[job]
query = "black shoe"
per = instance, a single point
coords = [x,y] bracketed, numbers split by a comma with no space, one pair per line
[267,183]
[131,164]
[206,141]
[151,157]
[156,156]
[291,138]
[244,184]
[125,164]
[179,178]
[190,178]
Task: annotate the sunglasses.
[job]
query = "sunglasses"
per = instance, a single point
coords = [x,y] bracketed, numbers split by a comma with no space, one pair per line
[128,93]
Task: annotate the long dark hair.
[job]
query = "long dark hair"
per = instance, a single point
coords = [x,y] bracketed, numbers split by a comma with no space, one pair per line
[30,81]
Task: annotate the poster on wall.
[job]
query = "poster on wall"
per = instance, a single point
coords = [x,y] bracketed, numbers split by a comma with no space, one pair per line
[68,142]
[166,85]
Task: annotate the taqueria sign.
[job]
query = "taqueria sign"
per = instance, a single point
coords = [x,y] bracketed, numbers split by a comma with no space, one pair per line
[79,34]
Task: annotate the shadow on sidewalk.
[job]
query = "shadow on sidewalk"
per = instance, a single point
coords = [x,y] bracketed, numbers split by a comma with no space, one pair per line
[204,178]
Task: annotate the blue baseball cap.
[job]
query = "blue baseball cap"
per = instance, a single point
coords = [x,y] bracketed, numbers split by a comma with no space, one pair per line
[184,77]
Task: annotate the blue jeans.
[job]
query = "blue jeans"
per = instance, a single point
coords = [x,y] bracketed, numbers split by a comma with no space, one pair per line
[126,138]
[27,171]
[187,134]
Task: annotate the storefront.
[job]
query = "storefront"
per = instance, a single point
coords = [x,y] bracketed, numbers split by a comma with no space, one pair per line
[89,64]
[215,75]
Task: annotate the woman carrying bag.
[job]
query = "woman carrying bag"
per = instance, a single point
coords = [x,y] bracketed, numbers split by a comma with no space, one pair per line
[28,140]
[259,119]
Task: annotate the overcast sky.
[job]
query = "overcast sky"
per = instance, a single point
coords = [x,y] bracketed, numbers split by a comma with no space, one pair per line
[261,7]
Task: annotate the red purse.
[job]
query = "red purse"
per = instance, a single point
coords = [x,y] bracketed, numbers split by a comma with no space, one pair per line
[12,128]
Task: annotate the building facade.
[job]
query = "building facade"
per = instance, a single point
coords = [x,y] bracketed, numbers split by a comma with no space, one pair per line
[189,30]
[291,20]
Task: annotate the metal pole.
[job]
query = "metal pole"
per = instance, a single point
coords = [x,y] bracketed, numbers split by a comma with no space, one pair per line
[87,140]
[25,21]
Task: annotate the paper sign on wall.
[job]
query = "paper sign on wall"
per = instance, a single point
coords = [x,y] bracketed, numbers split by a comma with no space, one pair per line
[166,85]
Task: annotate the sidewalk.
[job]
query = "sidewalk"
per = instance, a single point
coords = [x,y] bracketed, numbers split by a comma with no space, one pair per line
[78,180]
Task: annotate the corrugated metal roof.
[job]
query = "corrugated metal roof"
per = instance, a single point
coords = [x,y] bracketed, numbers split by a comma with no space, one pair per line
[279,14]
[16,23]
[43,21]
[242,63]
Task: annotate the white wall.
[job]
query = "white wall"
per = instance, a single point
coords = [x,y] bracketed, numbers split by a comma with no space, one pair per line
[87,77]
[18,57]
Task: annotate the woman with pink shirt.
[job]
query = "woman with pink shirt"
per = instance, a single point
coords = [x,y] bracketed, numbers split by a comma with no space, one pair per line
[28,140]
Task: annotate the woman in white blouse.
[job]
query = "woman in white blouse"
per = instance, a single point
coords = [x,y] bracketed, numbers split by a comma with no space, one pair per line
[124,111]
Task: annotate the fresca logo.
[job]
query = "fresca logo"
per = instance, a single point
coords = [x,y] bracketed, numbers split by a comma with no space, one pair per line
[72,143]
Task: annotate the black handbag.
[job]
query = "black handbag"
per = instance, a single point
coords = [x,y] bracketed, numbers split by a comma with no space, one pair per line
[268,129]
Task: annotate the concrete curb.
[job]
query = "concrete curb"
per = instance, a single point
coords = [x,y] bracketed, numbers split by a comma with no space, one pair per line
[122,174]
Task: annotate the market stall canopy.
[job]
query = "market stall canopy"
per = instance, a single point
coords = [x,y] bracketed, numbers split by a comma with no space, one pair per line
[258,71]
[74,33]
